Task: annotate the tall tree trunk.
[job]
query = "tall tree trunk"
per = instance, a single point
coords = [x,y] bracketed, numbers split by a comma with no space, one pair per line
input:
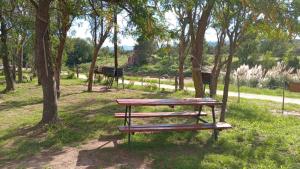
[58,61]
[13,69]
[181,73]
[64,26]
[20,64]
[182,55]
[10,86]
[92,67]
[217,65]
[116,43]
[226,83]
[197,40]
[44,62]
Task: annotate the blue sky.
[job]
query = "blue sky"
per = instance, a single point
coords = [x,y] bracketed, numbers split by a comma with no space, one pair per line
[80,28]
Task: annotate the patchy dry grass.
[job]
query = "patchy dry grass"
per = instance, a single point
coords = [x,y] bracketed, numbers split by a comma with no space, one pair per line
[259,139]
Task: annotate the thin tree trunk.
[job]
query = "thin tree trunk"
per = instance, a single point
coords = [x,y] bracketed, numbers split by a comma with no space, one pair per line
[4,52]
[116,43]
[181,74]
[92,67]
[65,24]
[217,66]
[58,61]
[197,41]
[13,69]
[226,84]
[44,62]
[20,64]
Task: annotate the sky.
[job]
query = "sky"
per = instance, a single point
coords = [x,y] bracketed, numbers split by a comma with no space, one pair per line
[80,29]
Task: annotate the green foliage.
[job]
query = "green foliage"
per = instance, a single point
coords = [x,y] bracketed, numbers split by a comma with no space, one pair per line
[267,60]
[78,51]
[143,51]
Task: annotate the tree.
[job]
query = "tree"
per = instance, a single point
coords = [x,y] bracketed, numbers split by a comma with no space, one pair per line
[235,21]
[243,17]
[184,40]
[67,11]
[220,28]
[101,21]
[43,59]
[198,23]
[6,9]
[23,30]
[78,51]
[143,50]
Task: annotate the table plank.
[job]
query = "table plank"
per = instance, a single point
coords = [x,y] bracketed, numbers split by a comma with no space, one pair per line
[160,114]
[169,102]
[174,127]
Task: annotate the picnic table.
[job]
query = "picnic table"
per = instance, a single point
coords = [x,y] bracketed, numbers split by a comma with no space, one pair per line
[199,102]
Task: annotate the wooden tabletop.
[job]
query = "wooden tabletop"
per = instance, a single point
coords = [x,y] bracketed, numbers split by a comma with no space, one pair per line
[168,102]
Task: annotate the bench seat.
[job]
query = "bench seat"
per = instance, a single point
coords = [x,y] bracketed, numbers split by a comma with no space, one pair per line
[160,114]
[174,127]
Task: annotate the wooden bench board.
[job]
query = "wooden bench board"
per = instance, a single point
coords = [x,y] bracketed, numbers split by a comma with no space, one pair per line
[174,127]
[160,114]
[169,102]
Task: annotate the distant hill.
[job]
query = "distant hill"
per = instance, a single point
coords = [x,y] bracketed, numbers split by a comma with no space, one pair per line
[125,48]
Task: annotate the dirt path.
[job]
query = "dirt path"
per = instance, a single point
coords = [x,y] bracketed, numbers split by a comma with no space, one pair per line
[94,154]
[219,92]
[231,94]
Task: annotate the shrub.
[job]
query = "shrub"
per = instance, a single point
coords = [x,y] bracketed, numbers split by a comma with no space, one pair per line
[275,77]
[71,75]
[249,77]
[296,76]
[151,86]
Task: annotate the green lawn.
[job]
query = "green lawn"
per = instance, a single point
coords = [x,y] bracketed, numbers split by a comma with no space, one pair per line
[232,87]
[260,138]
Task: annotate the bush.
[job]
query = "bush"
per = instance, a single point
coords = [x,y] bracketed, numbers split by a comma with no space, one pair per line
[71,75]
[276,76]
[255,76]
[248,77]
[150,87]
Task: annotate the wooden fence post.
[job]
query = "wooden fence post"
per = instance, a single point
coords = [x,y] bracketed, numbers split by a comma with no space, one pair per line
[159,82]
[283,97]
[176,83]
[238,85]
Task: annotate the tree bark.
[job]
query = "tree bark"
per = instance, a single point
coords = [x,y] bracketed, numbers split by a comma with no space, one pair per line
[92,67]
[10,86]
[20,64]
[227,82]
[116,43]
[217,65]
[197,41]
[13,69]
[181,73]
[44,62]
[183,45]
[58,61]
[64,26]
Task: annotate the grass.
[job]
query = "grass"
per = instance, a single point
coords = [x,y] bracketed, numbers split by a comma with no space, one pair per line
[260,138]
[232,88]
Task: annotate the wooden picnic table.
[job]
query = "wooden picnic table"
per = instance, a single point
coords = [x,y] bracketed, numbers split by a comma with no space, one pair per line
[199,102]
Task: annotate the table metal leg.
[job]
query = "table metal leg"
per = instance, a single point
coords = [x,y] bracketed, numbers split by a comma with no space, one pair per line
[199,113]
[126,116]
[199,116]
[215,134]
[129,123]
